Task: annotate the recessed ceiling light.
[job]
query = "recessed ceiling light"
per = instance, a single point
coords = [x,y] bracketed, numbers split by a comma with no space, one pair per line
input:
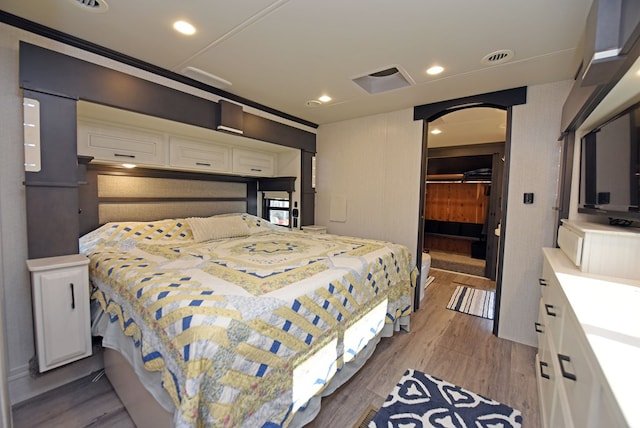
[184,27]
[324,98]
[436,131]
[436,69]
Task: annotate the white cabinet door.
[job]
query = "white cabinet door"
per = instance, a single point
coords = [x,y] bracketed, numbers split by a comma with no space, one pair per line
[61,315]
[123,145]
[249,162]
[199,155]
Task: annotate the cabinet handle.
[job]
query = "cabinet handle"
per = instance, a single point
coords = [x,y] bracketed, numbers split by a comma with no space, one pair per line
[73,297]
[566,359]
[549,309]
[542,373]
[539,328]
[120,155]
[256,169]
[203,164]
[542,282]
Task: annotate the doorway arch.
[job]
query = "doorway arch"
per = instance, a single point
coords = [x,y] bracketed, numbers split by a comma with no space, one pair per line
[504,100]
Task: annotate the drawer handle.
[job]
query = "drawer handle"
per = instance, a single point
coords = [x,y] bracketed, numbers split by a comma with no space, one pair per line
[73,297]
[539,328]
[542,373]
[203,164]
[566,359]
[549,309]
[120,155]
[256,169]
[542,282]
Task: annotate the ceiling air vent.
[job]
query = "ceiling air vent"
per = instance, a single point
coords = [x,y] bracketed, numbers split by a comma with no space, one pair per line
[387,79]
[98,6]
[498,57]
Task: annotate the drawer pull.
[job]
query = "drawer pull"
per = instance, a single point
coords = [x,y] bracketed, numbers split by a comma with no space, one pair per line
[120,155]
[542,373]
[73,297]
[256,169]
[566,359]
[542,282]
[203,164]
[549,309]
[539,328]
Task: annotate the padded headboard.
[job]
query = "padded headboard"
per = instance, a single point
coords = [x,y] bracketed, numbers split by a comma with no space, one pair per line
[110,193]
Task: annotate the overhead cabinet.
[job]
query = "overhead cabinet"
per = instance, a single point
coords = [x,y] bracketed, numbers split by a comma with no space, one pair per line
[122,145]
[107,142]
[199,155]
[249,162]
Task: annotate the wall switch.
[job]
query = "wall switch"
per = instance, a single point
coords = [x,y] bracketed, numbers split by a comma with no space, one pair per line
[528,198]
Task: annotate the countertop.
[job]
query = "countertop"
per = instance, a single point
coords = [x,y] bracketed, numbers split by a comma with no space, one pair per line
[608,309]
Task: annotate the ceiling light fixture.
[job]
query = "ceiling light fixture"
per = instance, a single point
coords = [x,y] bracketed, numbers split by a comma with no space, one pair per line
[184,27]
[96,6]
[313,103]
[436,131]
[324,99]
[436,69]
[128,165]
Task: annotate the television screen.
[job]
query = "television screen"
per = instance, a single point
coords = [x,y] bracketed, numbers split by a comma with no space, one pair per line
[610,168]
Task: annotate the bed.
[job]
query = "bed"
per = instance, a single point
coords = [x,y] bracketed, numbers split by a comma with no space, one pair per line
[229,320]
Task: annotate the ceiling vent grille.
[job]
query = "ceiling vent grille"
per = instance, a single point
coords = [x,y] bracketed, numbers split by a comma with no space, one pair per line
[498,57]
[97,6]
[387,79]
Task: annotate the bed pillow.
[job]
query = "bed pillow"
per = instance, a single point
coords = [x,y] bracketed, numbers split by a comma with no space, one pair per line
[217,227]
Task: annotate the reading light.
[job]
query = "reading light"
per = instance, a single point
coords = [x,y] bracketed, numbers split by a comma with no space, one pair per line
[129,165]
[436,69]
[324,98]
[184,27]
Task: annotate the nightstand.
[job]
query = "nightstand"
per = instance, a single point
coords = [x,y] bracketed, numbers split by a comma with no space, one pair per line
[314,229]
[60,294]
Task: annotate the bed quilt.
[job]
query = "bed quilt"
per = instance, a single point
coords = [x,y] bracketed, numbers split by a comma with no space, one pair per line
[227,321]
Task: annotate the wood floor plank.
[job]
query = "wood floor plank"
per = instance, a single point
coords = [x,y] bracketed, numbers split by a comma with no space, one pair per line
[456,347]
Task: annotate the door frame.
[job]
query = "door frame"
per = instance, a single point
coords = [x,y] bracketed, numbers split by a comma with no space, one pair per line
[503,100]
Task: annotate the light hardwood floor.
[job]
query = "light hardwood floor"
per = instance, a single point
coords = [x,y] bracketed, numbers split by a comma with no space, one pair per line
[453,346]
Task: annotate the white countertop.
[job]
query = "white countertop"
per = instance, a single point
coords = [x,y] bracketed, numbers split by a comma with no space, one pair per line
[608,309]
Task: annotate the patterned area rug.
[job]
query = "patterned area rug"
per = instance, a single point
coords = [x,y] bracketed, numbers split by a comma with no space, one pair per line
[473,301]
[421,400]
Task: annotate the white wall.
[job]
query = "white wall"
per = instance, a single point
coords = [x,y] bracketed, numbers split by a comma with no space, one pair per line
[534,167]
[374,163]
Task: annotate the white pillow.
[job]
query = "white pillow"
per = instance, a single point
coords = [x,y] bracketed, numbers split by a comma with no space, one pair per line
[217,227]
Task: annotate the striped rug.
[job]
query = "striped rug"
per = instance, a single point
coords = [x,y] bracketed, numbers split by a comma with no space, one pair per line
[473,301]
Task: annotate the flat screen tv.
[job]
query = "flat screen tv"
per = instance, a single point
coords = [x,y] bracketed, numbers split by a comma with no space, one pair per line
[610,168]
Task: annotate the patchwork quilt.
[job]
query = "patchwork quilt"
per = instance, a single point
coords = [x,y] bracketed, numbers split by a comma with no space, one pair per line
[245,329]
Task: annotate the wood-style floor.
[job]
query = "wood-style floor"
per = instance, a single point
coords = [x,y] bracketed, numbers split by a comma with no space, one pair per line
[456,347]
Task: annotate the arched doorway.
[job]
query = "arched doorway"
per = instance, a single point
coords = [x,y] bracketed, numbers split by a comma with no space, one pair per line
[462,208]
[429,113]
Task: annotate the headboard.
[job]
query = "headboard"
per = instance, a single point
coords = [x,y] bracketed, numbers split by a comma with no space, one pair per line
[110,193]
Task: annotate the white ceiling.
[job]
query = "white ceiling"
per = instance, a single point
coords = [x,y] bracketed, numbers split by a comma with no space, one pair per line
[281,53]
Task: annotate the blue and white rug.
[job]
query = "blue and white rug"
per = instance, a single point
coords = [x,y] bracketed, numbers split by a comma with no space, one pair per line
[473,301]
[420,400]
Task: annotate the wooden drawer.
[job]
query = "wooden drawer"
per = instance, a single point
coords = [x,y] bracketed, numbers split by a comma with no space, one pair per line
[199,155]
